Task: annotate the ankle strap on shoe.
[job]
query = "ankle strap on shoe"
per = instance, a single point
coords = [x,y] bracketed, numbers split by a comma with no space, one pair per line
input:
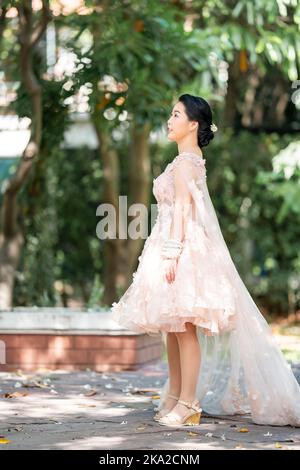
[191,404]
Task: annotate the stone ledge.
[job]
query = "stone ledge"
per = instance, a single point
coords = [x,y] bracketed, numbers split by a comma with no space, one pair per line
[53,319]
[73,340]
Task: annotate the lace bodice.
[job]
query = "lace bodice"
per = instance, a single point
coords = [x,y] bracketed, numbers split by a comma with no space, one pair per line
[163,185]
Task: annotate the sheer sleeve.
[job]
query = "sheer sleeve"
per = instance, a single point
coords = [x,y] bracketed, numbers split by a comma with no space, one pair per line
[183,172]
[189,176]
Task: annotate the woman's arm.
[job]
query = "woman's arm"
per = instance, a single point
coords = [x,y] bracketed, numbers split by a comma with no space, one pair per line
[182,204]
[182,173]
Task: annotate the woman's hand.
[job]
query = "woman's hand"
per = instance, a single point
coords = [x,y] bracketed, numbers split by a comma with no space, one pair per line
[170,266]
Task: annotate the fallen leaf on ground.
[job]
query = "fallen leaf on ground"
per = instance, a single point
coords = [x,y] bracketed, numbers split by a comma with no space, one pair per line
[143,391]
[4,441]
[243,430]
[91,393]
[36,383]
[190,433]
[15,394]
[277,445]
[87,406]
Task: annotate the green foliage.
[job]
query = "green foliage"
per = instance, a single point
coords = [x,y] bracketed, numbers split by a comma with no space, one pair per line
[95,299]
[79,176]
[37,269]
[61,242]
[268,30]
[145,47]
[56,114]
[39,265]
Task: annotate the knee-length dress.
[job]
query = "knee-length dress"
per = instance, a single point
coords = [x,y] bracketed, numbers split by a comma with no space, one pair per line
[242,367]
[200,293]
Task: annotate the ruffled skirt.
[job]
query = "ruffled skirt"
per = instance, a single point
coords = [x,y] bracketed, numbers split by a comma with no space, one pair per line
[201,293]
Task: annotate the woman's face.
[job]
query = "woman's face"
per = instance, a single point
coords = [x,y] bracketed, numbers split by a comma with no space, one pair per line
[178,124]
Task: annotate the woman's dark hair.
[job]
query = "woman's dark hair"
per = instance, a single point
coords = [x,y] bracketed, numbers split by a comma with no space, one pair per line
[198,109]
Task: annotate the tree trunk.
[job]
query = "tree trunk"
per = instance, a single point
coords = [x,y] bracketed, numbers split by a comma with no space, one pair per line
[120,255]
[139,179]
[11,239]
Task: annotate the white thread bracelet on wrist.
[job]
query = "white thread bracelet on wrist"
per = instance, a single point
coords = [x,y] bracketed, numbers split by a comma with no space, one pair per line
[172,242]
[171,248]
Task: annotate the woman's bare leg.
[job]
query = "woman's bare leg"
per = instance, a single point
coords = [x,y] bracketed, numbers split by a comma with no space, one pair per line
[190,360]
[174,370]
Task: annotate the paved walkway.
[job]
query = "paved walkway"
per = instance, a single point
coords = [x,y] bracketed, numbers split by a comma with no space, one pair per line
[92,410]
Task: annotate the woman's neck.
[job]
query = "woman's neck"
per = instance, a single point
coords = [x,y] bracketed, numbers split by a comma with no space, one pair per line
[187,149]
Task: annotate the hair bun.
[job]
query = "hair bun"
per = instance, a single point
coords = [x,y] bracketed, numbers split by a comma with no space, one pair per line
[205,135]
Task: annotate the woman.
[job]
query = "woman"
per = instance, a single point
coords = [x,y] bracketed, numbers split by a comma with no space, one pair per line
[221,352]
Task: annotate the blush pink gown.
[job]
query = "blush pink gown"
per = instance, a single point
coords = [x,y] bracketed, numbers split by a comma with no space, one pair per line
[242,367]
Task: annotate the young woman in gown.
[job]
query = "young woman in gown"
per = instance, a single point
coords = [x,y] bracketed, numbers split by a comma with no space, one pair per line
[222,356]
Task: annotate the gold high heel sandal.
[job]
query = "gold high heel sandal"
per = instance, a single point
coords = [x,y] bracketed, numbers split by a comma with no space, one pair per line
[191,419]
[160,414]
